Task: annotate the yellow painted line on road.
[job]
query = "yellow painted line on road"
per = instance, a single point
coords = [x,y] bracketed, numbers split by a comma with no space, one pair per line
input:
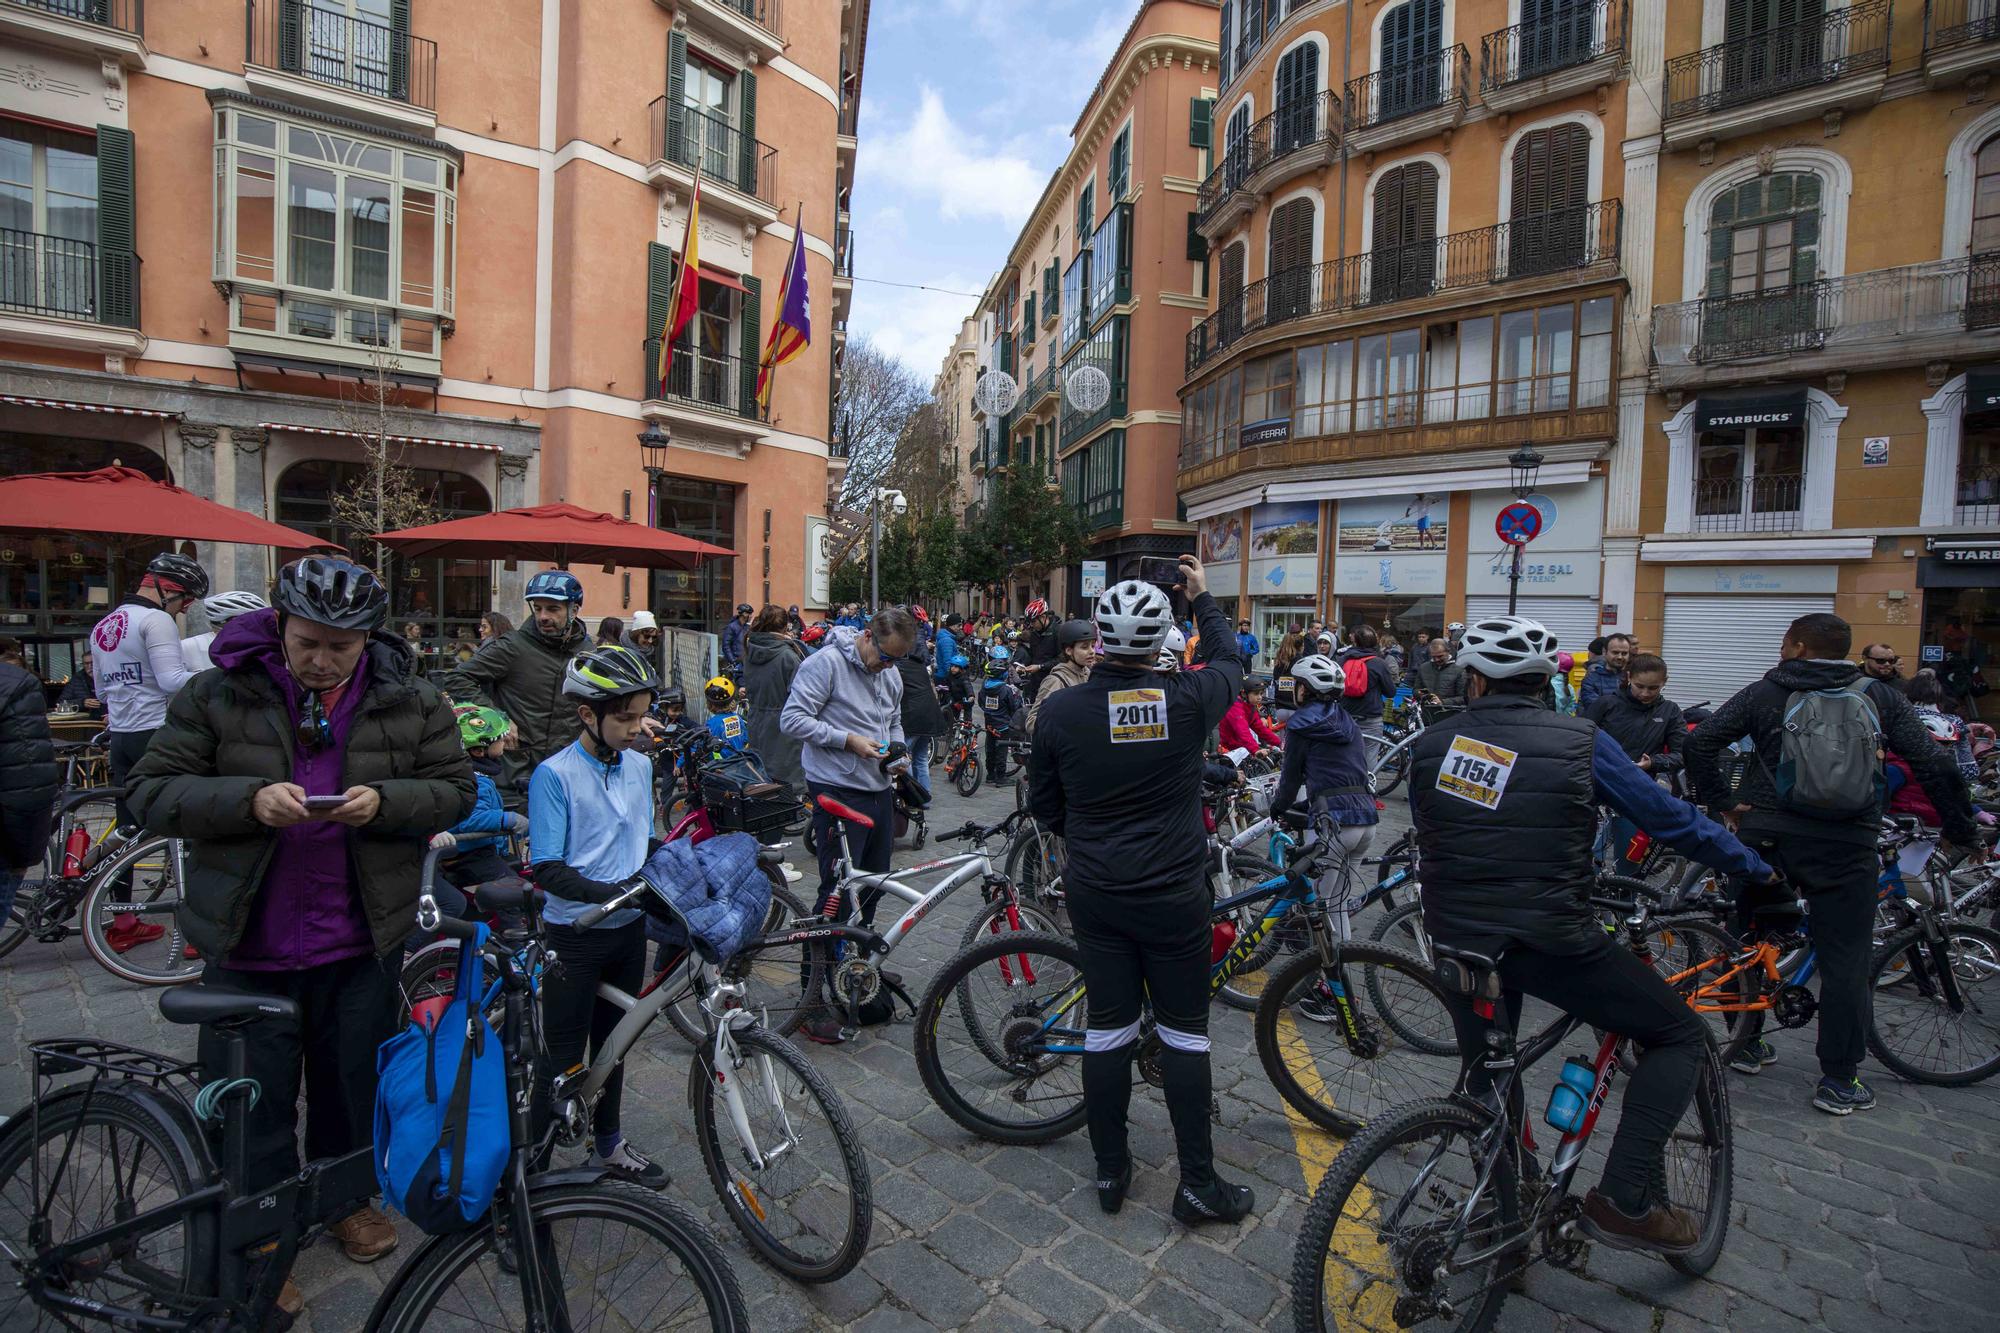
[1355,1253]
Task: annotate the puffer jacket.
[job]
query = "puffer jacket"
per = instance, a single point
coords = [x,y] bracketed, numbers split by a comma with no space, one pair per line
[229,733]
[27,769]
[521,674]
[769,663]
[922,714]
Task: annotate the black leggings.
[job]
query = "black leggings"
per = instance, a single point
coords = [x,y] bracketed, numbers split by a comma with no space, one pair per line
[571,1011]
[1607,986]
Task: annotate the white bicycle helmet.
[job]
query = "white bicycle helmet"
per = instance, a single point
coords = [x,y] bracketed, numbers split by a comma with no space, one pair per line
[1319,672]
[1176,641]
[224,607]
[1943,729]
[1168,660]
[1133,619]
[1508,646]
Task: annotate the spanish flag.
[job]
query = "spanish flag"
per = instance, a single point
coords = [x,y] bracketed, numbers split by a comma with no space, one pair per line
[687,285]
[791,329]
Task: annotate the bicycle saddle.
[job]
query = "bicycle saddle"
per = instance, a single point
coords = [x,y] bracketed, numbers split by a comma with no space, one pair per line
[844,812]
[219,1004]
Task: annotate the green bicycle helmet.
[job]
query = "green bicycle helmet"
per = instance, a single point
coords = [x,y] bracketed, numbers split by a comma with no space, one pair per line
[607,672]
[478,725]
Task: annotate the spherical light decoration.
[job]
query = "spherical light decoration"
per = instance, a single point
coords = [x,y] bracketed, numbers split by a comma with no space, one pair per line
[996,393]
[1088,389]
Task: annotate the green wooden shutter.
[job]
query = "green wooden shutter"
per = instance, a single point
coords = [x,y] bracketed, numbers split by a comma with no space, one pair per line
[1201,122]
[399,50]
[752,346]
[659,296]
[291,35]
[1197,244]
[117,230]
[746,120]
[676,148]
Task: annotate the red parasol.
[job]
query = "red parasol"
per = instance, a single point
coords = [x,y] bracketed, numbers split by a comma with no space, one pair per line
[113,503]
[557,534]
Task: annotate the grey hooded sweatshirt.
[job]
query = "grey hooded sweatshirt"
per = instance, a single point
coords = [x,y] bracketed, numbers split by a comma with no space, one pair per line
[832,696]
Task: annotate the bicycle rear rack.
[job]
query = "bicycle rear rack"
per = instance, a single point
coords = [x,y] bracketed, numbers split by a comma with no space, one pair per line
[70,1055]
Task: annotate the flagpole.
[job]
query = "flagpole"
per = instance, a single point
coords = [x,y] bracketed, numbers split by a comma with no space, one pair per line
[666,360]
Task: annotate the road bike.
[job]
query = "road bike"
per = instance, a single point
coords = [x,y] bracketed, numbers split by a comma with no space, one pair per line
[1000,1032]
[114,1211]
[1440,1206]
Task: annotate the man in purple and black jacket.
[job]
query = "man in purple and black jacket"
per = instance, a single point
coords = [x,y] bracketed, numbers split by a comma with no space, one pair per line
[305,777]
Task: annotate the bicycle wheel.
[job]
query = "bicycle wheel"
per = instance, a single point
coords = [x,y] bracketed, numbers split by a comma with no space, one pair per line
[1382,1223]
[96,816]
[1392,772]
[1936,988]
[613,1254]
[1402,927]
[1700,1166]
[1342,1064]
[1034,865]
[781,981]
[991,920]
[809,1208]
[155,891]
[966,779]
[125,1154]
[1702,962]
[1286,937]
[1012,1071]
[14,929]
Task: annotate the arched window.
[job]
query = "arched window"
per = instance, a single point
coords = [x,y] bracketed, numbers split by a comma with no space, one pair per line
[1229,291]
[1986,198]
[1297,95]
[1404,246]
[1236,145]
[1289,292]
[1550,200]
[445,596]
[1764,234]
[1412,36]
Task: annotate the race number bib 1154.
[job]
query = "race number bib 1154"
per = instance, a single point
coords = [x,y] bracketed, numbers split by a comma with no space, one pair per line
[1138,715]
[1475,771]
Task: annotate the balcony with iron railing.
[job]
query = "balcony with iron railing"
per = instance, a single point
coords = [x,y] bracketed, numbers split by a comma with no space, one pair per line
[1822,66]
[1298,137]
[67,293]
[1043,393]
[1765,502]
[1559,245]
[1976,501]
[701,379]
[1942,310]
[1579,46]
[740,171]
[1961,40]
[843,252]
[347,64]
[90,27]
[1408,101]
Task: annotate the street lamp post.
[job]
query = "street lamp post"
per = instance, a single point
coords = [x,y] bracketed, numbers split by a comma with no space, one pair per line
[653,442]
[900,504]
[1522,465]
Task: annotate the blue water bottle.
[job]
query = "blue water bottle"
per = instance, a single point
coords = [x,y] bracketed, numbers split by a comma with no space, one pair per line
[1570,1097]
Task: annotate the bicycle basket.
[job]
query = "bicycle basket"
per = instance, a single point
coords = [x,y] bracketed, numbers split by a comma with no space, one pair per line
[742,798]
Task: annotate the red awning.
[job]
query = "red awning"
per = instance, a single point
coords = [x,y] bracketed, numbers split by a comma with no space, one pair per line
[119,502]
[557,534]
[721,279]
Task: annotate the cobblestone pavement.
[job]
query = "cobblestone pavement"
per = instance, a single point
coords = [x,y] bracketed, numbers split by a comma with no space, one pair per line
[1881,1219]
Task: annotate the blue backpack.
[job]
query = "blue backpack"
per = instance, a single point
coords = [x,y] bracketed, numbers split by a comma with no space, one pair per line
[441,1129]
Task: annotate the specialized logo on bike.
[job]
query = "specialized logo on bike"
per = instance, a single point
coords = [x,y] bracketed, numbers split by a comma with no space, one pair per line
[1138,715]
[1475,771]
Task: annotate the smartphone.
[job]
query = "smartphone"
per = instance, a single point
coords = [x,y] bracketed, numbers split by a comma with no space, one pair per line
[321,804]
[1161,571]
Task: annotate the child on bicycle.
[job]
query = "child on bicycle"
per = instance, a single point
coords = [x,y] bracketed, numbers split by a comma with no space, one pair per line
[1001,703]
[590,807]
[1243,726]
[486,734]
[732,734]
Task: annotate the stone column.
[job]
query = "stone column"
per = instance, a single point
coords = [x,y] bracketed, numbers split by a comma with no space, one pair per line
[512,494]
[253,569]
[196,472]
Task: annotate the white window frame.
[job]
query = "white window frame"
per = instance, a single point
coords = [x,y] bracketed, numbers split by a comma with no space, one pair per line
[1311,192]
[1961,170]
[1437,160]
[1446,22]
[1593,187]
[1823,418]
[1836,180]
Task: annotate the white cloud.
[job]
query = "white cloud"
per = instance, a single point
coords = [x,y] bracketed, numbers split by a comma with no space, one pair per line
[931,156]
[914,325]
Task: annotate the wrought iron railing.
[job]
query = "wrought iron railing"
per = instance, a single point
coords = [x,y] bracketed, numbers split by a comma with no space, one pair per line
[1537,244]
[1766,502]
[688,138]
[1042,386]
[1960,23]
[843,251]
[332,48]
[124,15]
[1308,122]
[1978,498]
[49,275]
[766,14]
[1578,32]
[700,378]
[1779,60]
[1441,78]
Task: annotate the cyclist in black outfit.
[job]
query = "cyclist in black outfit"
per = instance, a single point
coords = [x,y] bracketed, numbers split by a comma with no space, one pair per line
[1116,772]
[1504,797]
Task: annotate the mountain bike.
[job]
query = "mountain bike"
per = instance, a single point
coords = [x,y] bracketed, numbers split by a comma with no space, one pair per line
[1000,1032]
[114,1211]
[1440,1205]
[961,755]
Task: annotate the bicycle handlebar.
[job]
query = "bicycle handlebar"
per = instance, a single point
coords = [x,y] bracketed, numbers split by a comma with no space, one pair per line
[973,831]
[593,915]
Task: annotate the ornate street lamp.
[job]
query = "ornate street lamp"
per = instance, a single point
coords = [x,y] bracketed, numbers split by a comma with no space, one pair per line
[1522,465]
[653,442]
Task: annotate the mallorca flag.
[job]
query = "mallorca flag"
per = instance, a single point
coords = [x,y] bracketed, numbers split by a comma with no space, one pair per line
[687,284]
[791,330]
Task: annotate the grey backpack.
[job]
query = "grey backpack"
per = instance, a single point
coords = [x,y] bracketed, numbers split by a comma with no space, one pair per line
[1830,754]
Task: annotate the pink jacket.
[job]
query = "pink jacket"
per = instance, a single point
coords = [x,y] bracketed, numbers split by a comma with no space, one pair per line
[1243,728]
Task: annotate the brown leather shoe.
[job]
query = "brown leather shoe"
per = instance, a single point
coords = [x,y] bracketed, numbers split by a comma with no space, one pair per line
[290,1299]
[365,1234]
[1662,1228]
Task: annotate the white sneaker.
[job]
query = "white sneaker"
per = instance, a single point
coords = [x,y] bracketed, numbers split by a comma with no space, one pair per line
[791,876]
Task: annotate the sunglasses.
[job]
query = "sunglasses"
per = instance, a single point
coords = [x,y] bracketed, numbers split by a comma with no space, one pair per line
[1885,661]
[315,730]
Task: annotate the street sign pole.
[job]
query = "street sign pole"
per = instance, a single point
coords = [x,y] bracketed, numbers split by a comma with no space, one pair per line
[1517,525]
[1514,579]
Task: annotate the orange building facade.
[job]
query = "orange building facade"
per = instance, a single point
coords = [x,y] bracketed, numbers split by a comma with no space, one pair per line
[1106,274]
[234,227]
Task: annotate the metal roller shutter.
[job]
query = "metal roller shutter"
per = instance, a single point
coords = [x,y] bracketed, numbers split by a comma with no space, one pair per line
[1714,646]
[1574,619]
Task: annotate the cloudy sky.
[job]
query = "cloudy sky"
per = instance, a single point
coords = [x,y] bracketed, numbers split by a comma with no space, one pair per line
[966,108]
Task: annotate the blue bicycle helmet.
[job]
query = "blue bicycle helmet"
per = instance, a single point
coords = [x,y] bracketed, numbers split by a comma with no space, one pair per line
[959,660]
[555,585]
[1001,654]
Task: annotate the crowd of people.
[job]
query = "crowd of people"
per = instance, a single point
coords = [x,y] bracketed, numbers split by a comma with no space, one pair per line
[305,755]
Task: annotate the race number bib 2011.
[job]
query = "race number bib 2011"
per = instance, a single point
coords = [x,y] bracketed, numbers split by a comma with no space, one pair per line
[1475,771]
[1138,715]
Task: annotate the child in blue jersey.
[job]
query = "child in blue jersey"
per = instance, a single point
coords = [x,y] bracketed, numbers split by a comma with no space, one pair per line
[732,734]
[590,819]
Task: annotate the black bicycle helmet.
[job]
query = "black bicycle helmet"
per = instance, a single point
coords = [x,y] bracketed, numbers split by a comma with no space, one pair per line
[332,592]
[1072,632]
[673,696]
[609,671]
[180,571]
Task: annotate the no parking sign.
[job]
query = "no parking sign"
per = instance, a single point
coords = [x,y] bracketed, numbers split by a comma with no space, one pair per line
[1518,524]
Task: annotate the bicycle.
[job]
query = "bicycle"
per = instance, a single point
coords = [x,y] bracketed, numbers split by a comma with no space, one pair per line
[1389,756]
[161,1236]
[961,756]
[1445,1203]
[1021,1001]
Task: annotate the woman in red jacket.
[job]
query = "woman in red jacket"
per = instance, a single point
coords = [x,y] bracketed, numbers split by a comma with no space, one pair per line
[1243,727]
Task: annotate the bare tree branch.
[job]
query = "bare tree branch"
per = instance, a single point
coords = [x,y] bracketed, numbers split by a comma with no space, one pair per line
[389,496]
